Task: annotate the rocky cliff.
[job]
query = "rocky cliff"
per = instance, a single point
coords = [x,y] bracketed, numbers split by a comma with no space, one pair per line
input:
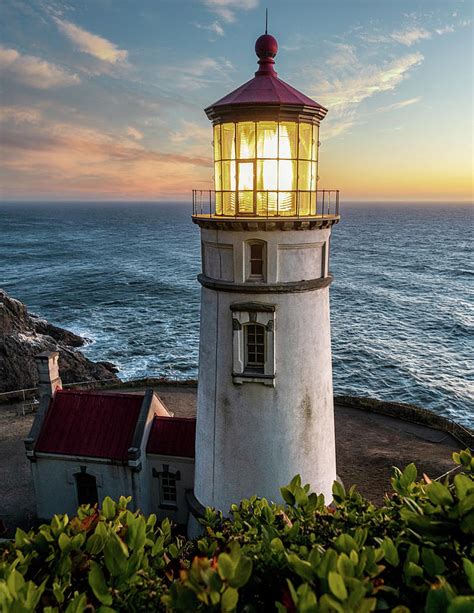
[23,335]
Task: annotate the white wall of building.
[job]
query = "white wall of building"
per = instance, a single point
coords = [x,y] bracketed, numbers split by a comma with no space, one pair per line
[55,484]
[185,466]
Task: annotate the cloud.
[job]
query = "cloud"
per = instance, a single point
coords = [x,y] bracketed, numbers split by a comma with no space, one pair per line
[410,36]
[399,105]
[48,158]
[342,87]
[19,115]
[92,44]
[134,133]
[444,30]
[344,55]
[33,71]
[191,131]
[214,27]
[200,72]
[226,8]
[407,37]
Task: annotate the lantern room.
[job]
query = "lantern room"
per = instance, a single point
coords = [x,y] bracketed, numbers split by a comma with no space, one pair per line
[266,143]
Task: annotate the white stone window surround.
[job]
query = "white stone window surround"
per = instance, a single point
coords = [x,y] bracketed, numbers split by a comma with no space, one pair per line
[168,484]
[244,313]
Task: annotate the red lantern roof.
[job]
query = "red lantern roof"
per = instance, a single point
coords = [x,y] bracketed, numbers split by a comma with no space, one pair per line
[266,88]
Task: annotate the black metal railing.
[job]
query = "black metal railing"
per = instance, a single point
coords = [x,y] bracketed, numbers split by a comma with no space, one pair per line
[322,203]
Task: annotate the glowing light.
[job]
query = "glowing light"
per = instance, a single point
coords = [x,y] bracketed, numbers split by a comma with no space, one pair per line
[265,167]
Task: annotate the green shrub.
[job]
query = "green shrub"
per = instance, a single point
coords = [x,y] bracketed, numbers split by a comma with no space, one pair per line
[414,553]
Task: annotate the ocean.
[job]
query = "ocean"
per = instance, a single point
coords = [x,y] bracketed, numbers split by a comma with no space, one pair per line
[124,276]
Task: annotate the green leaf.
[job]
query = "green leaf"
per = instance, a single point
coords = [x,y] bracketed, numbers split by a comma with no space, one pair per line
[287,496]
[225,566]
[77,604]
[338,491]
[463,484]
[242,572]
[136,534]
[390,552]
[276,545]
[108,508]
[95,544]
[345,543]
[301,497]
[408,475]
[432,562]
[461,604]
[469,570]
[466,504]
[439,494]
[115,555]
[345,567]
[301,567]
[98,584]
[63,541]
[328,603]
[229,600]
[337,585]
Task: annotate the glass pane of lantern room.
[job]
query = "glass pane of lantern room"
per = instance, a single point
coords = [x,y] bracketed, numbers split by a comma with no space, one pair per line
[304,175]
[218,203]
[286,203]
[286,174]
[228,203]
[287,140]
[305,140]
[246,140]
[228,175]
[314,155]
[245,203]
[217,177]
[228,141]
[217,143]
[314,176]
[267,139]
[245,175]
[267,174]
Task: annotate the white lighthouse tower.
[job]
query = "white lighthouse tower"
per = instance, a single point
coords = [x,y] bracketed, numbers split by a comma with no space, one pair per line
[265,399]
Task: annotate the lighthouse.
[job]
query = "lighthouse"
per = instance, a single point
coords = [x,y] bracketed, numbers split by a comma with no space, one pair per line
[265,399]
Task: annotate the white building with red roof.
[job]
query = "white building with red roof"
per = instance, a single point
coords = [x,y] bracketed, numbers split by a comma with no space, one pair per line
[85,445]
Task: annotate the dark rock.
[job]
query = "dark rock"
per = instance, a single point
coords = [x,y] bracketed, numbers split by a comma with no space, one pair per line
[22,336]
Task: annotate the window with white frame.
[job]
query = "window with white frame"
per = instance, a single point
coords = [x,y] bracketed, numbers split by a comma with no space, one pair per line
[253,326]
[168,488]
[256,260]
[168,485]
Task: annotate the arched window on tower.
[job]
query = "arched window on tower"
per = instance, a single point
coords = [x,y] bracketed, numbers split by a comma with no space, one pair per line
[86,489]
[256,260]
[254,339]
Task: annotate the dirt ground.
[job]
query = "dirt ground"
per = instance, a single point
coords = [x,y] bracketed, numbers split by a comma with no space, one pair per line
[367,447]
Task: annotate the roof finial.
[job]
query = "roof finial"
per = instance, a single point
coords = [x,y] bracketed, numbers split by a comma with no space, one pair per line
[266,21]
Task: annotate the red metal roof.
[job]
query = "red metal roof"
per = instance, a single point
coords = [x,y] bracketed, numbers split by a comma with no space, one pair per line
[90,424]
[266,87]
[172,436]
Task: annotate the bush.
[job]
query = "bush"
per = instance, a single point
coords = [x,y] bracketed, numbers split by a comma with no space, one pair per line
[415,553]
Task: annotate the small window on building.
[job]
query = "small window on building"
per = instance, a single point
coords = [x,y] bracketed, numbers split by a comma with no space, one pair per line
[254,348]
[256,261]
[86,489]
[168,488]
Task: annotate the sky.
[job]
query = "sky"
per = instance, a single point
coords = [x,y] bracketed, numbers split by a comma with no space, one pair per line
[104,99]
